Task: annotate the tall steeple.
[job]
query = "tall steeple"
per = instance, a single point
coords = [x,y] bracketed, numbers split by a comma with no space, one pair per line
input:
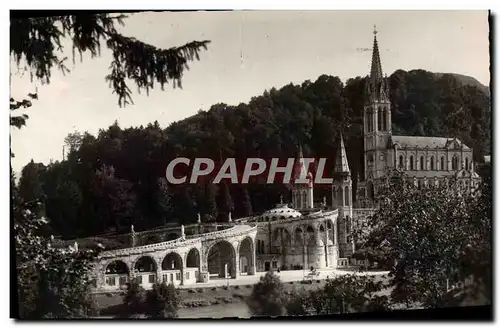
[377,121]
[376,85]
[341,164]
[376,75]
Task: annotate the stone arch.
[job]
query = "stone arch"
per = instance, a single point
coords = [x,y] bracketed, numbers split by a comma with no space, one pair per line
[116,274]
[298,236]
[443,164]
[322,233]
[467,163]
[432,163]
[246,252]
[412,166]
[145,268]
[422,163]
[219,254]
[331,230]
[193,259]
[145,263]
[310,235]
[401,161]
[172,261]
[281,237]
[116,267]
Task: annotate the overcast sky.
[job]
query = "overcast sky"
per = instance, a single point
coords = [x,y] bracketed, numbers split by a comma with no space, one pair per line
[250,52]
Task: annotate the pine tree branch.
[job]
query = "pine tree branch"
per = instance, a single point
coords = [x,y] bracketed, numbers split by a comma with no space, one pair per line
[36,41]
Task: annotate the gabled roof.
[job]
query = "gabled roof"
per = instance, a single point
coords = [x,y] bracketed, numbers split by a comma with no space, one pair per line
[429,142]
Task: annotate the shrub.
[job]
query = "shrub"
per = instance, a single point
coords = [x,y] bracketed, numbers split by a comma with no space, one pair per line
[268,297]
[162,301]
[134,299]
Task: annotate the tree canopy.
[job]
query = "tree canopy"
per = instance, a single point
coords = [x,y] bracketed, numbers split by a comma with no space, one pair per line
[431,238]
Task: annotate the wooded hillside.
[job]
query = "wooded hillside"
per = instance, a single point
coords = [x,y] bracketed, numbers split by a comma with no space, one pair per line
[116,178]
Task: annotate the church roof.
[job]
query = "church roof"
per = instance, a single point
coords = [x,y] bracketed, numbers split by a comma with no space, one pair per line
[341,164]
[427,142]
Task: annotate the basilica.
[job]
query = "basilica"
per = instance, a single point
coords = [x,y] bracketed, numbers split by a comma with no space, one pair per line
[294,236]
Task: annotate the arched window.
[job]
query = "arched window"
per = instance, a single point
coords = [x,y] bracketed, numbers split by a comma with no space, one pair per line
[401,159]
[454,163]
[443,167]
[411,163]
[346,195]
[386,111]
[379,120]
[432,163]
[422,163]
[467,163]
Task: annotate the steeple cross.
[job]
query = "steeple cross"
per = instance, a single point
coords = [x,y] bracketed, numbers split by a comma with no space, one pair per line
[374,29]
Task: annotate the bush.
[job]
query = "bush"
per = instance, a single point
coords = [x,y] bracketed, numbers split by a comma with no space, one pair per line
[134,299]
[268,297]
[162,301]
[299,304]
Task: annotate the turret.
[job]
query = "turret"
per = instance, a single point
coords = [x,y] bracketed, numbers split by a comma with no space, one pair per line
[302,193]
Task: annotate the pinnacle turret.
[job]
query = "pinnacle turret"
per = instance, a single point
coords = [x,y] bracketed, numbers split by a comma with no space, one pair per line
[341,163]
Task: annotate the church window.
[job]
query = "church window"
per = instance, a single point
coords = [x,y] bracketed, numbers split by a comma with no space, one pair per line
[411,163]
[386,119]
[432,163]
[346,191]
[401,159]
[454,163]
[340,198]
[422,163]
[379,120]
[443,167]
[467,163]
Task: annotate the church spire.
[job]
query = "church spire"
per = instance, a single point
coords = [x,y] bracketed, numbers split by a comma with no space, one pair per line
[376,85]
[376,74]
[341,164]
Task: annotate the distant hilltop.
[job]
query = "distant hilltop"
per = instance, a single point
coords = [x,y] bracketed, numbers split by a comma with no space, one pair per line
[467,80]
